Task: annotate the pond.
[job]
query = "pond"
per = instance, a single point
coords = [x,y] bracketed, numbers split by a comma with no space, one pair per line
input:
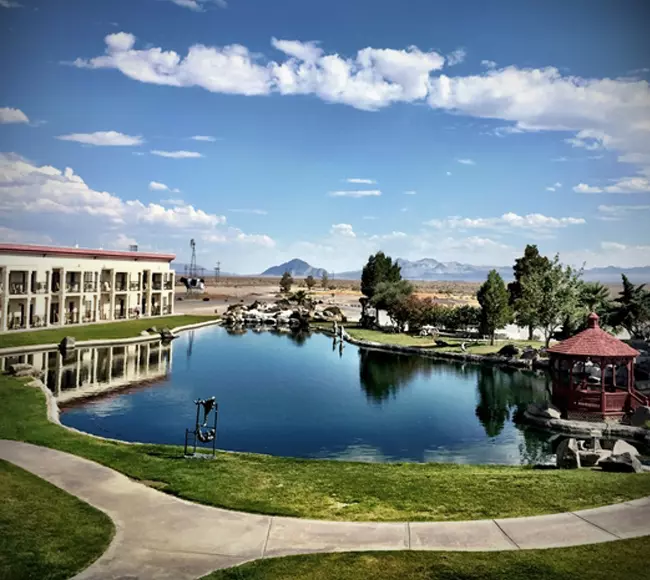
[301,396]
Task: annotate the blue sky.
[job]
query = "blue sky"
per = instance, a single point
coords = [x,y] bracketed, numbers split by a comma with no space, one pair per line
[328,130]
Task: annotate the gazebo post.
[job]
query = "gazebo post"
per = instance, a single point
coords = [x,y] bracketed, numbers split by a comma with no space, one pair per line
[602,386]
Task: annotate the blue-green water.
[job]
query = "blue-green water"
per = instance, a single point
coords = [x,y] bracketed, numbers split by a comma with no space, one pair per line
[300,396]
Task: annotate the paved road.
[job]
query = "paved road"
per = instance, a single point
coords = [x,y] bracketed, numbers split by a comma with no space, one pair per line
[162,537]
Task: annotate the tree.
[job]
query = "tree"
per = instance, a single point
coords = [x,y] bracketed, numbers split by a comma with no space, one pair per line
[495,310]
[286,282]
[526,307]
[324,280]
[392,297]
[632,309]
[310,282]
[558,288]
[379,268]
[300,297]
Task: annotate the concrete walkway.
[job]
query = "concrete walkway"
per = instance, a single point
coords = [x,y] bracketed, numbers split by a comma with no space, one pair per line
[162,537]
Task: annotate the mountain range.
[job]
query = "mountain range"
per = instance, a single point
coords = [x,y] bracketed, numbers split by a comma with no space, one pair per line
[433,270]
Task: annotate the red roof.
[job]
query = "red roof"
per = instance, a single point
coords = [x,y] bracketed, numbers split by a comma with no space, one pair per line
[88,253]
[593,341]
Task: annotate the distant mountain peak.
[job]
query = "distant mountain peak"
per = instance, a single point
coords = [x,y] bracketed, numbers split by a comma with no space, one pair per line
[295,267]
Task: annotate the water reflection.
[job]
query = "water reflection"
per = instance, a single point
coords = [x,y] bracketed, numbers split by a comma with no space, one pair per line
[88,371]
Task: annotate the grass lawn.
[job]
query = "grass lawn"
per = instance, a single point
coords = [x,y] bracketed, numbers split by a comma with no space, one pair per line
[402,339]
[46,533]
[621,560]
[118,329]
[326,489]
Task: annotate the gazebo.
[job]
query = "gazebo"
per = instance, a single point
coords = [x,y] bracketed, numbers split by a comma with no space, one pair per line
[593,375]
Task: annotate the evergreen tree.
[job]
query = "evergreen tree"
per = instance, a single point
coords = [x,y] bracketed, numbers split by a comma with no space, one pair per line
[632,309]
[526,307]
[379,268]
[324,280]
[495,310]
[286,282]
[310,282]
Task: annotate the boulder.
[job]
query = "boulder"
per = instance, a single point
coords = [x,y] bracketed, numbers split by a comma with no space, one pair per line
[621,446]
[153,330]
[509,350]
[624,462]
[545,410]
[568,454]
[640,417]
[333,310]
[167,334]
[428,330]
[530,354]
[144,333]
[592,457]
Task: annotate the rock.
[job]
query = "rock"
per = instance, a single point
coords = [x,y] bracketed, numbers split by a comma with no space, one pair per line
[283,304]
[17,367]
[440,342]
[67,344]
[621,446]
[428,330]
[153,330]
[530,354]
[25,370]
[545,410]
[640,417]
[592,457]
[568,454]
[625,462]
[144,333]
[333,310]
[206,299]
[509,350]
[167,334]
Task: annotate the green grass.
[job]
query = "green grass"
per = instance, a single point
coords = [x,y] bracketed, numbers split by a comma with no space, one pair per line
[45,533]
[326,489]
[402,339]
[621,560]
[119,329]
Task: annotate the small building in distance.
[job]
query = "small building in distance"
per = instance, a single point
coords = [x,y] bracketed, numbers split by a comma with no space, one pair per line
[593,375]
[49,286]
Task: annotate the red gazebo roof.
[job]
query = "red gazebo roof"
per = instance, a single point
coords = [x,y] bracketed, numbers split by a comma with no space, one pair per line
[595,342]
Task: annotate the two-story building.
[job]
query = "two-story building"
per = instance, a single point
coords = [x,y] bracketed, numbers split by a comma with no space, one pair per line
[46,286]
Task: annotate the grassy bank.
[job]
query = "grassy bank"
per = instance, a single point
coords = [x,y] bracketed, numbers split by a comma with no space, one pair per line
[326,489]
[45,532]
[622,560]
[118,329]
[402,339]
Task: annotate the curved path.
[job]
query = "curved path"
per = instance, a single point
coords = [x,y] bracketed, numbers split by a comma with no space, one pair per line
[162,537]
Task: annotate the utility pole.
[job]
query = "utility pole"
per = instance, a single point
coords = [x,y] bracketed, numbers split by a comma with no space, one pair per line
[217,273]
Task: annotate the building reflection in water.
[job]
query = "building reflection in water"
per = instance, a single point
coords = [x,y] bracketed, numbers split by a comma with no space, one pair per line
[88,371]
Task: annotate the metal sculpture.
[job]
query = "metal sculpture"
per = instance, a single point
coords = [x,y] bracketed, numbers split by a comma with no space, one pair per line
[202,433]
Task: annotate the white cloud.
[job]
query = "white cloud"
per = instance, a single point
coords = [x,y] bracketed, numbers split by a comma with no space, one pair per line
[623,185]
[389,237]
[410,192]
[550,189]
[448,173]
[343,230]
[23,236]
[9,115]
[456,57]
[249,211]
[466,161]
[173,201]
[199,5]
[356,193]
[157,186]
[612,246]
[621,210]
[489,63]
[557,184]
[177,154]
[360,180]
[559,159]
[10,4]
[533,221]
[103,139]
[207,138]
[369,217]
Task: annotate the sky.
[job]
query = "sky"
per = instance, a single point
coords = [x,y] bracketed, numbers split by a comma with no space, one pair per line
[326,131]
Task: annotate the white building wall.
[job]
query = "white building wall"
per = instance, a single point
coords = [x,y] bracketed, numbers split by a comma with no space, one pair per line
[28,290]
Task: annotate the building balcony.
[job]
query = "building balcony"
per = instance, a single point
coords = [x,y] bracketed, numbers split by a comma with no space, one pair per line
[17,288]
[105,286]
[120,287]
[72,288]
[90,287]
[37,322]
[16,324]
[169,286]
[157,286]
[119,315]
[155,311]
[72,318]
[39,288]
[134,286]
[167,309]
[89,317]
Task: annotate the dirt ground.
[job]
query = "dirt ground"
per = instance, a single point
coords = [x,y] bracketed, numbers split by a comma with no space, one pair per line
[342,293]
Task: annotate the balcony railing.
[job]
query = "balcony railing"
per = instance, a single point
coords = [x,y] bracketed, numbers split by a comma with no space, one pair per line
[120,287]
[16,324]
[105,286]
[72,287]
[90,287]
[155,311]
[72,318]
[39,288]
[89,317]
[157,285]
[18,288]
[134,286]
[167,309]
[119,315]
[37,322]
[169,286]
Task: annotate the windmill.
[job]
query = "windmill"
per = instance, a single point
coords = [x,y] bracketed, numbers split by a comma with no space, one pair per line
[192,282]
[192,271]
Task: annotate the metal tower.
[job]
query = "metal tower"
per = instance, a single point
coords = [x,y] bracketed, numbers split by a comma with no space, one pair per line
[192,271]
[217,273]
